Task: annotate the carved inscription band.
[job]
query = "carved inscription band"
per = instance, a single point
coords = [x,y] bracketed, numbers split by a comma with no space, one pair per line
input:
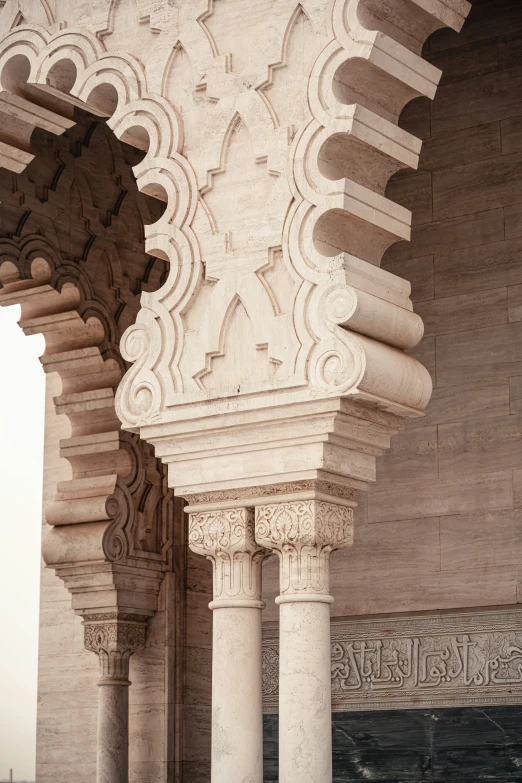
[416,662]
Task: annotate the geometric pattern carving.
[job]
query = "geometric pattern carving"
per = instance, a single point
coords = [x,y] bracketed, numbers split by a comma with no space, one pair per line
[284,294]
[409,662]
[274,225]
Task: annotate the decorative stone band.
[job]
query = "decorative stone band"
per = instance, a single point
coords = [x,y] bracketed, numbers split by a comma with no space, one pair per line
[285,490]
[114,637]
[408,662]
[226,538]
[303,533]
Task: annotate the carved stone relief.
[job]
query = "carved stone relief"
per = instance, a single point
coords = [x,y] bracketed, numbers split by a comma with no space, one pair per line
[408,662]
[273,350]
[71,253]
[303,534]
[276,219]
[226,538]
[114,638]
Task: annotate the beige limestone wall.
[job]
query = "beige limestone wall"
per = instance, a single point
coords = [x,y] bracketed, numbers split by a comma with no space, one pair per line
[442,527]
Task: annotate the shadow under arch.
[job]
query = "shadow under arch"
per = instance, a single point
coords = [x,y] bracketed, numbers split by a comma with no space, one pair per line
[72,255]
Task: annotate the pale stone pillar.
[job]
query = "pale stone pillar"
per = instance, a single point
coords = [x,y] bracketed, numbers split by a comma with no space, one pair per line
[112,751]
[303,533]
[226,538]
[114,638]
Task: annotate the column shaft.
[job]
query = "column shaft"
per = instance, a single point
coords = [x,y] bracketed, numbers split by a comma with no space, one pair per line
[114,637]
[304,533]
[237,710]
[113,733]
[305,702]
[226,538]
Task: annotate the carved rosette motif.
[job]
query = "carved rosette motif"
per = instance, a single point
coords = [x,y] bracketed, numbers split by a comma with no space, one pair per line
[227,539]
[270,663]
[114,638]
[304,533]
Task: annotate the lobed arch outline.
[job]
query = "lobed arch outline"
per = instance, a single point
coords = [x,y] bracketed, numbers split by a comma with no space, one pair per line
[368,359]
[74,66]
[101,502]
[96,514]
[352,326]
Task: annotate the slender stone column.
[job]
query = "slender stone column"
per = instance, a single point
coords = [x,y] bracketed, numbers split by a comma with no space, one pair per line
[114,638]
[226,538]
[303,533]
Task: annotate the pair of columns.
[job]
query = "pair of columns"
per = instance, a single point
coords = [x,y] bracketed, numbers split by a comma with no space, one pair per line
[236,540]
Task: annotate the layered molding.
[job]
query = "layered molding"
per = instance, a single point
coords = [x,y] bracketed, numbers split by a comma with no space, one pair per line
[77,280]
[273,169]
[419,661]
[296,296]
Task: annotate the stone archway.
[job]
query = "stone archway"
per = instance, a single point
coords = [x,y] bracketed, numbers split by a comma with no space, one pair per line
[72,255]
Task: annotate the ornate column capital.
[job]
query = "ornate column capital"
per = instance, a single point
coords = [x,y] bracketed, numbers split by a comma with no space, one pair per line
[226,537]
[114,637]
[303,533]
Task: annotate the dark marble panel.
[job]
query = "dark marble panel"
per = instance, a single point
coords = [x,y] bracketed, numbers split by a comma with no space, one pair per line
[270,748]
[461,745]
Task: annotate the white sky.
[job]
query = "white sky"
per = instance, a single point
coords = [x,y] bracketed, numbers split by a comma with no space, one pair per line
[21,458]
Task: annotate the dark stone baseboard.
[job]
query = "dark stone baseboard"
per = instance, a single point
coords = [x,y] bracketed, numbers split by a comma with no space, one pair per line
[460,745]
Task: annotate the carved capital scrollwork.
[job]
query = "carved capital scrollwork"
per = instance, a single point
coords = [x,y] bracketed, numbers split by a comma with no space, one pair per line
[114,638]
[303,533]
[227,539]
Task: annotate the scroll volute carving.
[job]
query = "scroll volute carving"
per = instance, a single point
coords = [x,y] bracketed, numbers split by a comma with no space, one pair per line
[312,165]
[285,280]
[117,506]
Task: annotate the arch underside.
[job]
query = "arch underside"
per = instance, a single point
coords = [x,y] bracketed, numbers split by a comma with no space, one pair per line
[72,255]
